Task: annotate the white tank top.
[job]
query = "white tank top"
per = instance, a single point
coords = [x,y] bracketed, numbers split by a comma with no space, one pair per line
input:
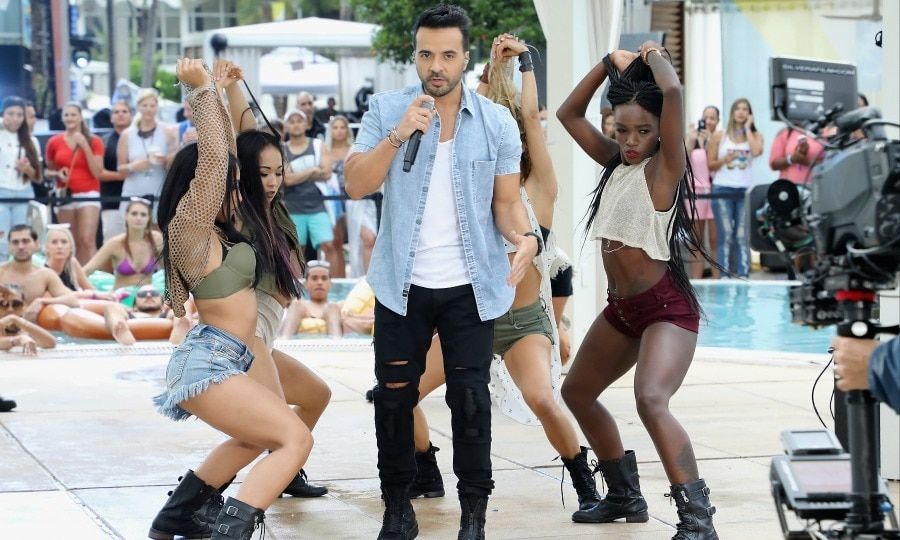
[440,261]
[738,173]
[626,213]
[147,182]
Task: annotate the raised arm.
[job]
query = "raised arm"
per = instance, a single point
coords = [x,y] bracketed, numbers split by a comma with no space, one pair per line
[203,200]
[226,75]
[506,46]
[370,160]
[571,114]
[754,138]
[673,159]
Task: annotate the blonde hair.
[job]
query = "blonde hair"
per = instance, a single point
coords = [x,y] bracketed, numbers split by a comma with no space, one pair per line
[502,90]
[67,266]
[144,95]
[329,140]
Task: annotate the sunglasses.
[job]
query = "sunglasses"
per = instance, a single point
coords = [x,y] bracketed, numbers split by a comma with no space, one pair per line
[318,264]
[141,200]
[15,304]
[57,226]
[148,294]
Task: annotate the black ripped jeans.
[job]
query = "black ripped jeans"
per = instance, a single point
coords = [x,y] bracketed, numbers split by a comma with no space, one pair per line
[400,347]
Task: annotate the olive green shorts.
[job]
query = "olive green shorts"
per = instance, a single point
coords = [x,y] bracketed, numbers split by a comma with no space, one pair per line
[518,323]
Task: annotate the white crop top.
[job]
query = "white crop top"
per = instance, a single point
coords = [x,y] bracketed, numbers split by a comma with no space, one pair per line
[626,213]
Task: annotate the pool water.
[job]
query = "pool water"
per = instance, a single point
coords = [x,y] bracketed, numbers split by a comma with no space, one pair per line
[754,316]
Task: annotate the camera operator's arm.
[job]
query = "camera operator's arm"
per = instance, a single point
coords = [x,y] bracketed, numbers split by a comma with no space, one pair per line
[863,364]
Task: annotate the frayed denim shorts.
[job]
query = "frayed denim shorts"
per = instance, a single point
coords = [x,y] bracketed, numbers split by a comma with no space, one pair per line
[208,355]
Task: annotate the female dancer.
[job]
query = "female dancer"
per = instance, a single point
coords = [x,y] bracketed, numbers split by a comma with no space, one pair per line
[205,255]
[652,319]
[133,255]
[75,159]
[262,172]
[20,167]
[526,380]
[704,223]
[730,155]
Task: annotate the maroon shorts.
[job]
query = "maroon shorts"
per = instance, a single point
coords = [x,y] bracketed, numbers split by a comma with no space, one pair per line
[663,302]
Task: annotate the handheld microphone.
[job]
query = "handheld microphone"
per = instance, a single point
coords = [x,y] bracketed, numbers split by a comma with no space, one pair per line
[413,147]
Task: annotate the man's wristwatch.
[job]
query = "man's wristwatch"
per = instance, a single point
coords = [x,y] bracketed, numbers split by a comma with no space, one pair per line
[540,241]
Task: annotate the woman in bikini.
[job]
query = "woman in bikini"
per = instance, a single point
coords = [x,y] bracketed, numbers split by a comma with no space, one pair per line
[133,255]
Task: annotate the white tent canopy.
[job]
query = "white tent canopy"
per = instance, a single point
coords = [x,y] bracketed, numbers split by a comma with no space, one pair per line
[248,46]
[288,70]
[311,32]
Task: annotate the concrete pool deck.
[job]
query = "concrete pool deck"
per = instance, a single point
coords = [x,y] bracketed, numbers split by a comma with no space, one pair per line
[85,455]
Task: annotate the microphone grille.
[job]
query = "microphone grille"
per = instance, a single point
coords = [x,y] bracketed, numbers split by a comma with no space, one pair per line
[428,105]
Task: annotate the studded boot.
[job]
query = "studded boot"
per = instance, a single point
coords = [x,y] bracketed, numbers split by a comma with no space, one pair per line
[237,521]
[695,512]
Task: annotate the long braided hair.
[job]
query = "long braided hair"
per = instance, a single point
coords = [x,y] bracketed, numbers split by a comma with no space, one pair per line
[636,85]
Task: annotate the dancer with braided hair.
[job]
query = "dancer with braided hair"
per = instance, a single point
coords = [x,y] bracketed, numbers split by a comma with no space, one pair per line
[639,215]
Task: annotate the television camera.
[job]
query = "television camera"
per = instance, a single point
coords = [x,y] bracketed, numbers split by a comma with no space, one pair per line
[847,220]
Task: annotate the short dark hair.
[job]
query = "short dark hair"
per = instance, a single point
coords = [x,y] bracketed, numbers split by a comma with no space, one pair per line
[23,227]
[445,16]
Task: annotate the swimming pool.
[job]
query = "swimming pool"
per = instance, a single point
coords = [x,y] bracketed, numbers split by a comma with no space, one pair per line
[755,316]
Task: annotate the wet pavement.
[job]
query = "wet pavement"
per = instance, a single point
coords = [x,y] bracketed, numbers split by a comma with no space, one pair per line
[86,456]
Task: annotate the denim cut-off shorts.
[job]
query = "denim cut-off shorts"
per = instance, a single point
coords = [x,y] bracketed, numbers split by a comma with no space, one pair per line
[208,355]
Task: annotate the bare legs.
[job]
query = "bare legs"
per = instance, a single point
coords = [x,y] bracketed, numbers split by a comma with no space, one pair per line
[663,356]
[528,364]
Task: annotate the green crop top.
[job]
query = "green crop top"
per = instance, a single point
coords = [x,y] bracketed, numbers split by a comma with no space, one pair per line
[236,273]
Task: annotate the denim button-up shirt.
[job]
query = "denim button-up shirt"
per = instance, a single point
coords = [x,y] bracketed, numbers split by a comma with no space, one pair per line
[486,144]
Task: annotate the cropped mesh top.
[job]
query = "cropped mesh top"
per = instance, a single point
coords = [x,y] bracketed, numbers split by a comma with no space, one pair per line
[626,213]
[192,228]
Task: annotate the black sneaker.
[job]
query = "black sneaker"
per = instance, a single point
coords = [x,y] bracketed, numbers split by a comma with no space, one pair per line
[7,405]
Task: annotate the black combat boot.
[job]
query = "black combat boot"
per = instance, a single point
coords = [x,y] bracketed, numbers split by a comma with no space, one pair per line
[428,481]
[177,517]
[695,512]
[582,480]
[623,496]
[237,521]
[399,522]
[300,487]
[471,522]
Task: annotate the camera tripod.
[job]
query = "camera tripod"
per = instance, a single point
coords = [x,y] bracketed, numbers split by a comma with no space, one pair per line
[865,520]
